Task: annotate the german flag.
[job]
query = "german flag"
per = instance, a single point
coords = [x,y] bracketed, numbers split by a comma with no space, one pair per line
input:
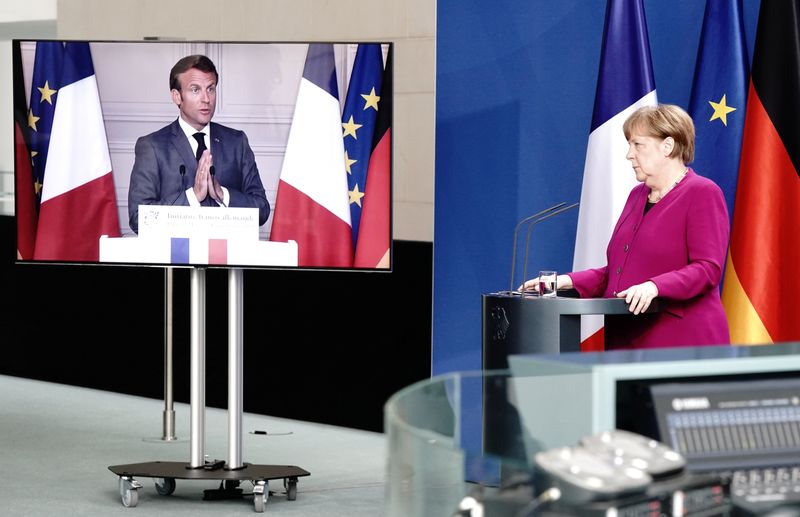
[373,249]
[762,279]
[26,208]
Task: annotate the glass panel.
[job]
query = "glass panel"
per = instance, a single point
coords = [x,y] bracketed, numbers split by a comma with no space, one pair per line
[470,436]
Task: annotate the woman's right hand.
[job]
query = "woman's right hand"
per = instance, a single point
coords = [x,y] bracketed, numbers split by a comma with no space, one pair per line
[562,282]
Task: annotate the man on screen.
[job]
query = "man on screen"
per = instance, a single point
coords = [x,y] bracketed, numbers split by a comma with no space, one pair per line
[194,161]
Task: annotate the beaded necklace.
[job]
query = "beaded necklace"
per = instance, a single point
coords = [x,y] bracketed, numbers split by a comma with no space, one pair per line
[665,192]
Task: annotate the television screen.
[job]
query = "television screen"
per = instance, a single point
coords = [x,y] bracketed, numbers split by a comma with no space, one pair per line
[211,154]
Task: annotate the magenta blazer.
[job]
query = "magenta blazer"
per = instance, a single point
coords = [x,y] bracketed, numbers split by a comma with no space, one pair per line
[681,246]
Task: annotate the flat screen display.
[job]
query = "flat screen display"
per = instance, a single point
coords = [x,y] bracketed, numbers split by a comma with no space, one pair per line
[217,154]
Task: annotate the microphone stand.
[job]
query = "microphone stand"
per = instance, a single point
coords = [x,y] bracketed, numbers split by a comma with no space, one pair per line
[182,172]
[528,235]
[516,234]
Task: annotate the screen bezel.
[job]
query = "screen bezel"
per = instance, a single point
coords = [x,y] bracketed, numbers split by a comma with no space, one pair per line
[346,45]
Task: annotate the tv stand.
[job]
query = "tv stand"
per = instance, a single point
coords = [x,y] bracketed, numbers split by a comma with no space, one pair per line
[231,472]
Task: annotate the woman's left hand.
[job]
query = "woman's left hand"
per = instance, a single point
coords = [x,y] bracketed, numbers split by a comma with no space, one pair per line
[639,296]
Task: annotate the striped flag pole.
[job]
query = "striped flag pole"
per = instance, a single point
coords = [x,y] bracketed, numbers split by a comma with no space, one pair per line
[625,83]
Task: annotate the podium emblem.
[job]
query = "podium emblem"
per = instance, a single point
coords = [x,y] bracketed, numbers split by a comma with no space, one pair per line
[500,323]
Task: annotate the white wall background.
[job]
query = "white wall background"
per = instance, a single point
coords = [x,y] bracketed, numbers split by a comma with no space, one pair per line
[11,11]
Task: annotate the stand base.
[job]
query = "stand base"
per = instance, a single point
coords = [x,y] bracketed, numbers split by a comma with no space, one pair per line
[222,494]
[180,470]
[155,439]
[166,472]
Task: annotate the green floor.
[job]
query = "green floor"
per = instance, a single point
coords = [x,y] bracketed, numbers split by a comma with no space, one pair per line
[56,443]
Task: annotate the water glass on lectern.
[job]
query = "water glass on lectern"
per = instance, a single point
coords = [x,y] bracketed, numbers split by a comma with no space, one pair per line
[547,284]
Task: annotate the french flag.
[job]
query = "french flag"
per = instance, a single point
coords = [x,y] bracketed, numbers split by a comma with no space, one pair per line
[78,202]
[624,84]
[312,206]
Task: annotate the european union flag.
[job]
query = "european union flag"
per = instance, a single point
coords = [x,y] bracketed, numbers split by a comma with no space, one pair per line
[46,82]
[719,95]
[358,121]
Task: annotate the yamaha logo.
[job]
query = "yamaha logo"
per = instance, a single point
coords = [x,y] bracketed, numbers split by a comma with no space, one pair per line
[690,403]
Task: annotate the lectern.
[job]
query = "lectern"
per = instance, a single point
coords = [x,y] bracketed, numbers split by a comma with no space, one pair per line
[522,324]
[514,323]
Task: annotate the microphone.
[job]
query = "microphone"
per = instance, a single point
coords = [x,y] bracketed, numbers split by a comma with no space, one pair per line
[213,171]
[536,219]
[182,172]
[516,233]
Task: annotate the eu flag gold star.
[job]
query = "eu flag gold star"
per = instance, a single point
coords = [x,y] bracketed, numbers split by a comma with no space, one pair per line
[32,120]
[47,93]
[355,195]
[371,100]
[348,162]
[721,110]
[350,128]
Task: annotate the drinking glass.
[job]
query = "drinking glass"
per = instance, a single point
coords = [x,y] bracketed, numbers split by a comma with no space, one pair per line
[547,283]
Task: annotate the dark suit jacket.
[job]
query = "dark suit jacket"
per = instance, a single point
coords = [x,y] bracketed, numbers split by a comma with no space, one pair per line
[156,178]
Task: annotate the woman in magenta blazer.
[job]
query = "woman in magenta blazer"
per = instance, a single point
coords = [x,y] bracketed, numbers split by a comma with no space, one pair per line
[670,242]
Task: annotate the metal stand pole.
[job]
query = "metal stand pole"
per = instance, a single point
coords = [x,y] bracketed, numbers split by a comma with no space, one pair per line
[168,414]
[169,409]
[197,397]
[235,471]
[235,353]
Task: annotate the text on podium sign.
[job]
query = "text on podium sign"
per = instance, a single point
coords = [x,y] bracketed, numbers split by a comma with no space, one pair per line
[202,222]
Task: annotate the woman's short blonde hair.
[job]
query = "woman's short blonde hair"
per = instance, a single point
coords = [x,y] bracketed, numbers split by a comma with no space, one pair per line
[662,121]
